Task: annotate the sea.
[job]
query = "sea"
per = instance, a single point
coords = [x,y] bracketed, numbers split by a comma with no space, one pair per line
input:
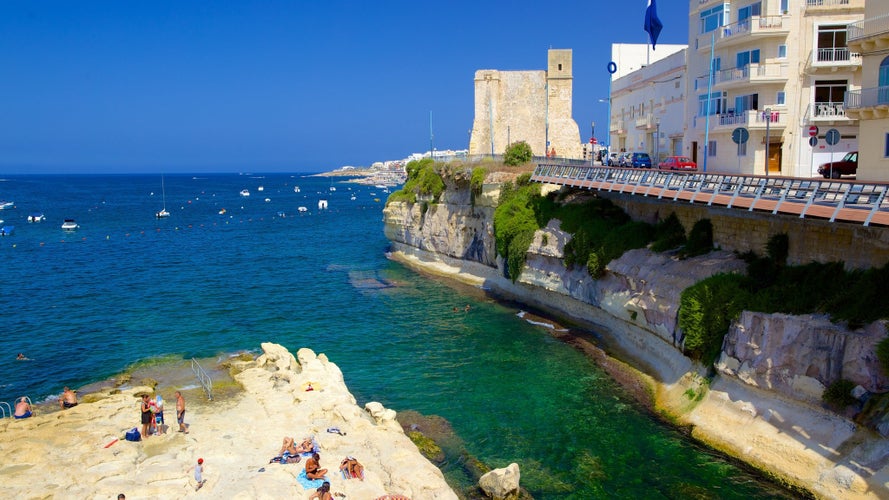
[224,273]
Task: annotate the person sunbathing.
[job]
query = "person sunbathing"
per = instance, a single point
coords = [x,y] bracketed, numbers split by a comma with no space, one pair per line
[289,446]
[313,467]
[351,468]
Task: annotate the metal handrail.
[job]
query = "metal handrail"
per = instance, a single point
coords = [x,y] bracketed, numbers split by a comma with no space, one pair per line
[203,378]
[791,195]
[5,410]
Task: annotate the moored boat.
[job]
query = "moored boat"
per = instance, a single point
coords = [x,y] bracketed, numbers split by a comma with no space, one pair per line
[70,225]
[245,193]
[36,217]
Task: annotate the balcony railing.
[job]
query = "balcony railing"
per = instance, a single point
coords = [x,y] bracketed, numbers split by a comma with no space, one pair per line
[846,4]
[837,55]
[643,121]
[752,25]
[867,98]
[751,118]
[868,27]
[826,111]
[749,73]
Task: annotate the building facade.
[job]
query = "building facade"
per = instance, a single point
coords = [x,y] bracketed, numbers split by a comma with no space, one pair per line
[870,104]
[773,68]
[648,109]
[530,106]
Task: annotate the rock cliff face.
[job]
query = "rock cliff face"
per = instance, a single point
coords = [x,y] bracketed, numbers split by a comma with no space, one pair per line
[765,357]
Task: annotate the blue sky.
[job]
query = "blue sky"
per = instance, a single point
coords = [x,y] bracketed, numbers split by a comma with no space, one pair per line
[263,86]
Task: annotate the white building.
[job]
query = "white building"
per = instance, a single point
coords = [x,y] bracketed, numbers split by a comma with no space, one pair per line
[648,106]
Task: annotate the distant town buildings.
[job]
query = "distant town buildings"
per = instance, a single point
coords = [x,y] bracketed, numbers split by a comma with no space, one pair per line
[530,106]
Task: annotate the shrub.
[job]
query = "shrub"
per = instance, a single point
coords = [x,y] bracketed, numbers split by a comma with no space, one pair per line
[513,216]
[839,393]
[477,180]
[668,234]
[518,252]
[706,309]
[595,265]
[422,179]
[777,248]
[700,239]
[517,153]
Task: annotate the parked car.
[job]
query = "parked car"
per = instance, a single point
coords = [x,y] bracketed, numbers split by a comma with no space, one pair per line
[612,159]
[624,160]
[677,163]
[847,166]
[640,160]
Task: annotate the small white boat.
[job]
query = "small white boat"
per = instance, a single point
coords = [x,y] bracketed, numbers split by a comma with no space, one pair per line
[322,204]
[352,198]
[268,200]
[245,193]
[162,213]
[302,209]
[69,225]
[332,188]
[260,188]
[6,204]
[281,214]
[222,212]
[295,189]
[36,217]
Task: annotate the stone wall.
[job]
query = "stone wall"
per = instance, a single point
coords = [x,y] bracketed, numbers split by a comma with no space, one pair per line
[811,240]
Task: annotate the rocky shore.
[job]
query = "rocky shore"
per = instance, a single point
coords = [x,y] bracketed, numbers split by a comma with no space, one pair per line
[762,406]
[81,452]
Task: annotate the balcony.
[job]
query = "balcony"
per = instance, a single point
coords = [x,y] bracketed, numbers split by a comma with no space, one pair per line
[818,6]
[750,119]
[644,122]
[827,112]
[869,35]
[868,104]
[835,58]
[750,74]
[743,31]
[618,126]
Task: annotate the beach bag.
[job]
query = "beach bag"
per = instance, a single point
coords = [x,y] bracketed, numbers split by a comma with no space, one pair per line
[133,435]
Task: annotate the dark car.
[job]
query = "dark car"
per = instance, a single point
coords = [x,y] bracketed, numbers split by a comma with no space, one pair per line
[847,166]
[640,160]
[678,163]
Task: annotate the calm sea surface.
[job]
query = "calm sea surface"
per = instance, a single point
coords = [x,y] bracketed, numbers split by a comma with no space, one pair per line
[127,287]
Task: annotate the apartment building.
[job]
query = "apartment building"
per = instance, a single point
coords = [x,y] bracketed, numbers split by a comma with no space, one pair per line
[648,106]
[773,68]
[870,104]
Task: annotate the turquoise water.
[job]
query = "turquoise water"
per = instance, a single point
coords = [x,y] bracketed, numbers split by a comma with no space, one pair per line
[127,287]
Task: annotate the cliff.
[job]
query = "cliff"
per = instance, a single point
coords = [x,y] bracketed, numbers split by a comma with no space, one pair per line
[763,404]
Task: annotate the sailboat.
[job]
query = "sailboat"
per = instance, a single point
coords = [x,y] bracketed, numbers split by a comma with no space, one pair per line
[163,212]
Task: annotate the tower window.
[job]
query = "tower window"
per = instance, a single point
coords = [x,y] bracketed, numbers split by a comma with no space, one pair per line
[560,67]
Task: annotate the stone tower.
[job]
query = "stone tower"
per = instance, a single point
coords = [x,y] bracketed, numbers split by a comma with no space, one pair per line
[530,106]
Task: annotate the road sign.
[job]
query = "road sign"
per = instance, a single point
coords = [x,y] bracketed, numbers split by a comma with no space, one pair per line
[813,141]
[832,136]
[813,131]
[740,135]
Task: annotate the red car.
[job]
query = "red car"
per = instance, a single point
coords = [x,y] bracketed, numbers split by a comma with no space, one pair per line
[677,163]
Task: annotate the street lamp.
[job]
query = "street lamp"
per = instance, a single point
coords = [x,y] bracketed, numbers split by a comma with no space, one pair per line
[768,117]
[592,137]
[657,141]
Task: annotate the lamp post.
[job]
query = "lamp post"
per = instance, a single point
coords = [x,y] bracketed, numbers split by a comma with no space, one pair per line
[592,137]
[657,142]
[768,117]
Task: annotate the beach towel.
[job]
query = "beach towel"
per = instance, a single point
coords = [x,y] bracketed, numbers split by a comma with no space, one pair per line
[307,483]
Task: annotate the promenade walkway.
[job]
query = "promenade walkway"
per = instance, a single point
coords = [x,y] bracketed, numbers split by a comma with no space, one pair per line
[834,200]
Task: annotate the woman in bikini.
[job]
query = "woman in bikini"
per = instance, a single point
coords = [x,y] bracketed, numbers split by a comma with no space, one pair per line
[322,493]
[313,467]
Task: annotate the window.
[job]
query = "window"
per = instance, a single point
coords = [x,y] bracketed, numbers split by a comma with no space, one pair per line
[886,147]
[782,52]
[746,102]
[832,43]
[712,19]
[781,98]
[717,104]
[711,150]
[749,11]
[883,91]
[743,59]
[784,6]
[830,91]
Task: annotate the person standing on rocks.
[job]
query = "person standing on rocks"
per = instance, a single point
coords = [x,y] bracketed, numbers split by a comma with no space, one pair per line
[180,412]
[146,416]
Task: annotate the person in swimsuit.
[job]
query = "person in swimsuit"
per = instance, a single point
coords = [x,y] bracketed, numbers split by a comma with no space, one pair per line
[322,493]
[145,407]
[313,467]
[22,408]
[68,399]
[351,468]
[180,412]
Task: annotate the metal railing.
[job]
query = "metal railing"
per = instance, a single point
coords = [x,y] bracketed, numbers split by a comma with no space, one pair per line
[203,378]
[868,27]
[5,410]
[826,110]
[867,98]
[834,200]
[837,55]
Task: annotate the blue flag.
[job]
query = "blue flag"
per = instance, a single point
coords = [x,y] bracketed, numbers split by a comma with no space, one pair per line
[653,25]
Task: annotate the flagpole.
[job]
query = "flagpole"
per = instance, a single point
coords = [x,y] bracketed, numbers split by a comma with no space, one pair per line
[709,98]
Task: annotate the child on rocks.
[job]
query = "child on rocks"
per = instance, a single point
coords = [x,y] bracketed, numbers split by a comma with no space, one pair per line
[199,474]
